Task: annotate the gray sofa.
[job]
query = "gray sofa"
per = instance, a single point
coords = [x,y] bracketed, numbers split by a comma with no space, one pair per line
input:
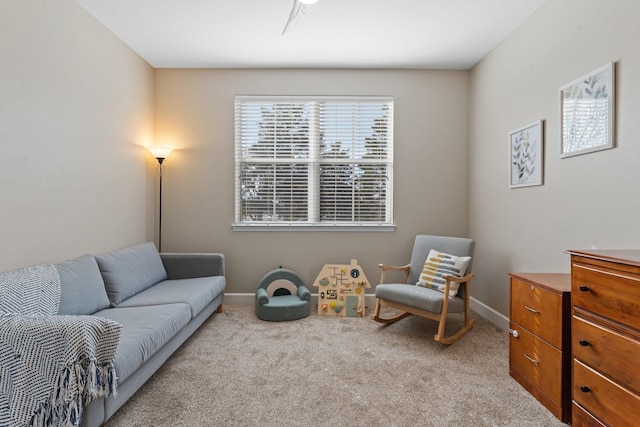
[160,299]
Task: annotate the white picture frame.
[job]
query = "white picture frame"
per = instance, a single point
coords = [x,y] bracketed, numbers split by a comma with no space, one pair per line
[526,153]
[587,108]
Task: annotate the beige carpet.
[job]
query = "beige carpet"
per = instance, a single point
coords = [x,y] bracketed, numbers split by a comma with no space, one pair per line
[324,371]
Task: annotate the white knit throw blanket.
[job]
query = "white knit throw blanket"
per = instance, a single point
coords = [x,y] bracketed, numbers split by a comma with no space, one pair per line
[50,366]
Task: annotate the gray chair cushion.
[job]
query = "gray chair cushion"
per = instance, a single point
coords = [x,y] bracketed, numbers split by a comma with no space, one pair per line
[197,292]
[129,271]
[418,297]
[81,285]
[145,331]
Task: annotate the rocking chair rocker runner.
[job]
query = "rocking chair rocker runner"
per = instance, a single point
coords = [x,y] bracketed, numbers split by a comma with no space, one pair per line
[424,301]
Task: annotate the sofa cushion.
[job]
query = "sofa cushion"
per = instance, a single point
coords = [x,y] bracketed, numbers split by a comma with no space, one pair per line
[197,292]
[145,331]
[81,285]
[131,270]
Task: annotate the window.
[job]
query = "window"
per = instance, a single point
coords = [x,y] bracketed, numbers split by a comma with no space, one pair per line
[314,162]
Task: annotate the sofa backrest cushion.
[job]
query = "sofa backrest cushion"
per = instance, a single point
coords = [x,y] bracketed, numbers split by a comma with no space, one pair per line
[82,290]
[131,270]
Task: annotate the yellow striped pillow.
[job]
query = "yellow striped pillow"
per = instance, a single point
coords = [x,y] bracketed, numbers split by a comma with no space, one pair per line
[437,266]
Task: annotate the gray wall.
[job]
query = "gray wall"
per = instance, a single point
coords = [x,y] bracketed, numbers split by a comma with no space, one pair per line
[194,111]
[75,107]
[588,201]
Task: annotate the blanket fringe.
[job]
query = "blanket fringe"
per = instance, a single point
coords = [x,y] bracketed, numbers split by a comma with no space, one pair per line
[89,379]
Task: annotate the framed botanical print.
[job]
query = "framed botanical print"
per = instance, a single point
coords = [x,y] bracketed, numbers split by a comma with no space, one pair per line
[526,151]
[587,112]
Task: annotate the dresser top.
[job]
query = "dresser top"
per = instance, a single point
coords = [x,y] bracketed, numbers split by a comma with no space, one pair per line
[621,256]
[552,281]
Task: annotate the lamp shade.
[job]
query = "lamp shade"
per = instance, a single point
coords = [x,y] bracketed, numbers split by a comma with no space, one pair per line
[160,152]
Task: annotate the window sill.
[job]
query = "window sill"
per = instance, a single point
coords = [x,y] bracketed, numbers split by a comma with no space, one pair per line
[315,227]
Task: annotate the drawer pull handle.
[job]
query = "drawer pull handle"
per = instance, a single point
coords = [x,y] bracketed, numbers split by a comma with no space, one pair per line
[531,359]
[585,389]
[584,289]
[533,310]
[584,343]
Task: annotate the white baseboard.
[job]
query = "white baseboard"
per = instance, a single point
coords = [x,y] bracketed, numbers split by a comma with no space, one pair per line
[238,299]
[482,309]
[498,319]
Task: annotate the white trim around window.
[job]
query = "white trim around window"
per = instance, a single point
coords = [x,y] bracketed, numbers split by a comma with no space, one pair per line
[313,163]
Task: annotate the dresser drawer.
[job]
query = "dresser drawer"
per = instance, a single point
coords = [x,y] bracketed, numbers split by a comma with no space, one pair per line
[537,310]
[581,418]
[609,352]
[609,293]
[603,398]
[538,362]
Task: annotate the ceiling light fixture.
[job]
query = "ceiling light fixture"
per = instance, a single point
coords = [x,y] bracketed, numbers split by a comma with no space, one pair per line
[298,10]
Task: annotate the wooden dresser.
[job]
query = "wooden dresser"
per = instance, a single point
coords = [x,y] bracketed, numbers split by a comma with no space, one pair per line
[540,339]
[606,337]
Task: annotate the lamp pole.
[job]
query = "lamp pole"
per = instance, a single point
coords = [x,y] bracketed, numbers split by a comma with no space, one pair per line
[160,173]
[160,154]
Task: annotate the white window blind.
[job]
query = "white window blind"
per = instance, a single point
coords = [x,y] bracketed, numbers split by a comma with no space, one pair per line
[313,161]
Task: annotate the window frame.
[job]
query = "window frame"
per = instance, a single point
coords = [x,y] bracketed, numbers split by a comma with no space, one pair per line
[313,196]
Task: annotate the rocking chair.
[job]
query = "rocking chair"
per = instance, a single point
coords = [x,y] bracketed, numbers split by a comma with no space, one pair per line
[437,279]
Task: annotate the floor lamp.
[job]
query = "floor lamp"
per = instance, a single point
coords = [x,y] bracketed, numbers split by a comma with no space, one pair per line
[160,153]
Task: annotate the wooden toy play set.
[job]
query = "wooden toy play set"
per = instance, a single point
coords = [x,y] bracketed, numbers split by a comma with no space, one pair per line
[341,290]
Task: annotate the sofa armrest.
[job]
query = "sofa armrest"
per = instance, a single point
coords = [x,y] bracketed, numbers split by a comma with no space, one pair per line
[190,265]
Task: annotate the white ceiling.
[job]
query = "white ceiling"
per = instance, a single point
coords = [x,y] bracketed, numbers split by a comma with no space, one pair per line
[420,34]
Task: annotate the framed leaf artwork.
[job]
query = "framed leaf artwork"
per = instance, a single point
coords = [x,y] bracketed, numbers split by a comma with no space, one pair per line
[586,112]
[526,151]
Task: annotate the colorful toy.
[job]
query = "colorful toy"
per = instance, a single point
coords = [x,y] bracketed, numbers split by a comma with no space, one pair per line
[341,290]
